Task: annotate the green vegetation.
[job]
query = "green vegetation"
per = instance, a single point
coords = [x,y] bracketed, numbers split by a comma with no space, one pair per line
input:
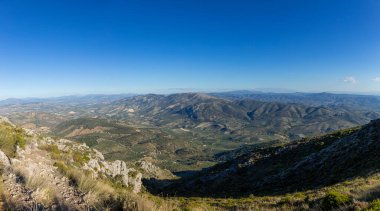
[343,196]
[173,149]
[287,171]
[62,167]
[80,158]
[102,193]
[334,199]
[183,131]
[55,153]
[109,194]
[374,205]
[10,138]
[296,166]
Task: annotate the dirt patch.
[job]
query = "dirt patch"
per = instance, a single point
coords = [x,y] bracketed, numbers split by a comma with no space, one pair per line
[85,131]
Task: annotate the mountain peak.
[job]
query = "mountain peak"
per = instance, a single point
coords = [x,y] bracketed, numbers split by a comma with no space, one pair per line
[193,96]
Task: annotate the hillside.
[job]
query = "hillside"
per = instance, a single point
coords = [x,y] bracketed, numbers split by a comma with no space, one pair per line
[41,173]
[334,171]
[245,118]
[242,117]
[173,149]
[183,131]
[303,165]
[179,131]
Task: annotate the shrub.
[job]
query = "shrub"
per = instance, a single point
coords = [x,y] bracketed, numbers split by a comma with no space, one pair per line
[334,199]
[99,193]
[55,153]
[61,167]
[375,205]
[35,181]
[20,140]
[132,173]
[10,137]
[80,158]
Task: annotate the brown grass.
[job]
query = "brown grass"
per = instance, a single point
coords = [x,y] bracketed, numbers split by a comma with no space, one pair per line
[44,194]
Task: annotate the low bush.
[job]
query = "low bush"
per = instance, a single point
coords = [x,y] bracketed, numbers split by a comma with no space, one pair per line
[335,199]
[63,168]
[55,153]
[101,194]
[10,138]
[374,206]
[80,158]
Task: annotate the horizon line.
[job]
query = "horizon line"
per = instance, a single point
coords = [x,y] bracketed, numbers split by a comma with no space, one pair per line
[257,90]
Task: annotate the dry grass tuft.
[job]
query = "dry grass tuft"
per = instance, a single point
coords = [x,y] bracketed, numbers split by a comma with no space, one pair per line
[43,193]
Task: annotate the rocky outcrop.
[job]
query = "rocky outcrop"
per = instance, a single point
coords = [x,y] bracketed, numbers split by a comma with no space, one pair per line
[43,173]
[130,176]
[99,166]
[96,163]
[136,181]
[4,159]
[152,171]
[148,167]
[32,178]
[6,120]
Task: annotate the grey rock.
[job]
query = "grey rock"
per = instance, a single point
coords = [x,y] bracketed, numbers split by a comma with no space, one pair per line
[4,159]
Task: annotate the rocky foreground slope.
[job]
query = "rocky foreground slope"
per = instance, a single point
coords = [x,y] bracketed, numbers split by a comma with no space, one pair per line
[43,173]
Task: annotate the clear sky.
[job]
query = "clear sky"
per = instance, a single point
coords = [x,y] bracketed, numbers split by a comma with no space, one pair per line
[51,48]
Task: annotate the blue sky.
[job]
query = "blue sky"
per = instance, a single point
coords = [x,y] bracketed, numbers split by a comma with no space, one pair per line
[52,48]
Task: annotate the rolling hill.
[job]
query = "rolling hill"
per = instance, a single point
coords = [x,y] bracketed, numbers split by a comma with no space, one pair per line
[245,118]
[179,131]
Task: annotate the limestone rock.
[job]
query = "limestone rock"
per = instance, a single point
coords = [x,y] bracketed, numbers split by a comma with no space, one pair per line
[6,120]
[153,171]
[119,167]
[98,154]
[136,182]
[4,159]
[130,176]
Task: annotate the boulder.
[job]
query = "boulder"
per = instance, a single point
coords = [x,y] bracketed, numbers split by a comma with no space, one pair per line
[4,159]
[136,183]
[130,177]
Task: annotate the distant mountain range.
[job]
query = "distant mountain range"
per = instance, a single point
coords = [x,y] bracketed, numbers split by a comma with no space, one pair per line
[367,101]
[73,99]
[184,131]
[241,116]
[353,101]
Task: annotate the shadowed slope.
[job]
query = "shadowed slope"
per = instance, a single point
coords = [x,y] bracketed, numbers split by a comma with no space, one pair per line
[302,165]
